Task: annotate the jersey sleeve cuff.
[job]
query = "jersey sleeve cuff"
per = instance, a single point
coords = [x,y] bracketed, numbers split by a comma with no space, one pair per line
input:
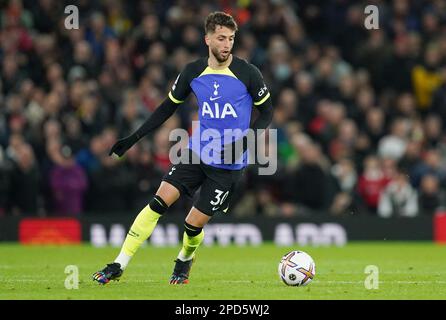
[171,97]
[263,100]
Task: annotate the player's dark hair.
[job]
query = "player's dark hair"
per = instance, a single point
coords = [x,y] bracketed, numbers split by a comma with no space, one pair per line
[219,18]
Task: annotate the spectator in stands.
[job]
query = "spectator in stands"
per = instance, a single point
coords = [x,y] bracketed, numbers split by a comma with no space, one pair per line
[371,183]
[406,107]
[432,131]
[412,157]
[131,114]
[98,33]
[145,174]
[402,61]
[309,182]
[109,185]
[88,157]
[426,78]
[304,86]
[398,199]
[74,137]
[68,184]
[345,181]
[375,126]
[430,196]
[394,144]
[25,180]
[431,164]
[355,92]
[439,98]
[343,146]
[4,183]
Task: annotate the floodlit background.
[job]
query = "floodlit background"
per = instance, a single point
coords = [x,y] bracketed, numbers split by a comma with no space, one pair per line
[359,112]
[360,116]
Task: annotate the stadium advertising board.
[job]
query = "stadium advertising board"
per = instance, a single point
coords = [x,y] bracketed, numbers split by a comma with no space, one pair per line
[315,231]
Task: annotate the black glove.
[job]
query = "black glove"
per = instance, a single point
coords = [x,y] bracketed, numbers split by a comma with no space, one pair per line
[121,146]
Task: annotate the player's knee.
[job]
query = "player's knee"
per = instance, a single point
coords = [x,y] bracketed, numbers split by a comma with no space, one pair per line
[191,230]
[158,205]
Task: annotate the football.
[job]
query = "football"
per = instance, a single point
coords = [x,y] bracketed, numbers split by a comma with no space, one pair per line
[297,268]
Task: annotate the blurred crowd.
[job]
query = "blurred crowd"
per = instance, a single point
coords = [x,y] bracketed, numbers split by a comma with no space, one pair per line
[359,113]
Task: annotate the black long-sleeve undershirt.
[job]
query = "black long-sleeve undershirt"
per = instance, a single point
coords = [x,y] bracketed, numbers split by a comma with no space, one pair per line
[168,107]
[265,115]
[262,122]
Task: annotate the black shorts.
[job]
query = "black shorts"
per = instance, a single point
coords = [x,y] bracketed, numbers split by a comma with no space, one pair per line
[217,185]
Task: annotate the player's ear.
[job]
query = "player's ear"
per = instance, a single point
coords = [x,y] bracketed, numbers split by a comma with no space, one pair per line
[207,39]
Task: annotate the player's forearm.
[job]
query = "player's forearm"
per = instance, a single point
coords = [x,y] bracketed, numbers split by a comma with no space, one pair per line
[158,117]
[265,117]
[262,122]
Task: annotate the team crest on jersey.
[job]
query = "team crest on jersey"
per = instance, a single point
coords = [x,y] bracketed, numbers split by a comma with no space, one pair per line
[216,86]
[215,95]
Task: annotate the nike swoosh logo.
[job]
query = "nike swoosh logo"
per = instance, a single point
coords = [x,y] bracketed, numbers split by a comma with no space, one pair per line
[214,98]
[215,208]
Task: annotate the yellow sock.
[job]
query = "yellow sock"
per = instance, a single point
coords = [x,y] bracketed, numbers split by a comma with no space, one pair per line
[190,245]
[140,230]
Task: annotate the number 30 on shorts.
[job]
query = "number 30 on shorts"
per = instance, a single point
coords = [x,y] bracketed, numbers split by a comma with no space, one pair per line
[219,199]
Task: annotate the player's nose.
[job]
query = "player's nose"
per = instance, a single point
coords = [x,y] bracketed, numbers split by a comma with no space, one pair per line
[227,44]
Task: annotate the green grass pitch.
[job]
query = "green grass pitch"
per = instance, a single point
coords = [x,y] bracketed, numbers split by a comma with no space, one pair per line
[411,270]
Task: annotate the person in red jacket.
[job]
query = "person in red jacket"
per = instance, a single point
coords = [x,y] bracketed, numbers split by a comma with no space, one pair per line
[371,183]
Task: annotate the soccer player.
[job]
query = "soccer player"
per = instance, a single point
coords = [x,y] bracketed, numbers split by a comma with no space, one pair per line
[226,89]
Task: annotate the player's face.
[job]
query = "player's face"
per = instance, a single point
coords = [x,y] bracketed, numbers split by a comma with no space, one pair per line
[221,42]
